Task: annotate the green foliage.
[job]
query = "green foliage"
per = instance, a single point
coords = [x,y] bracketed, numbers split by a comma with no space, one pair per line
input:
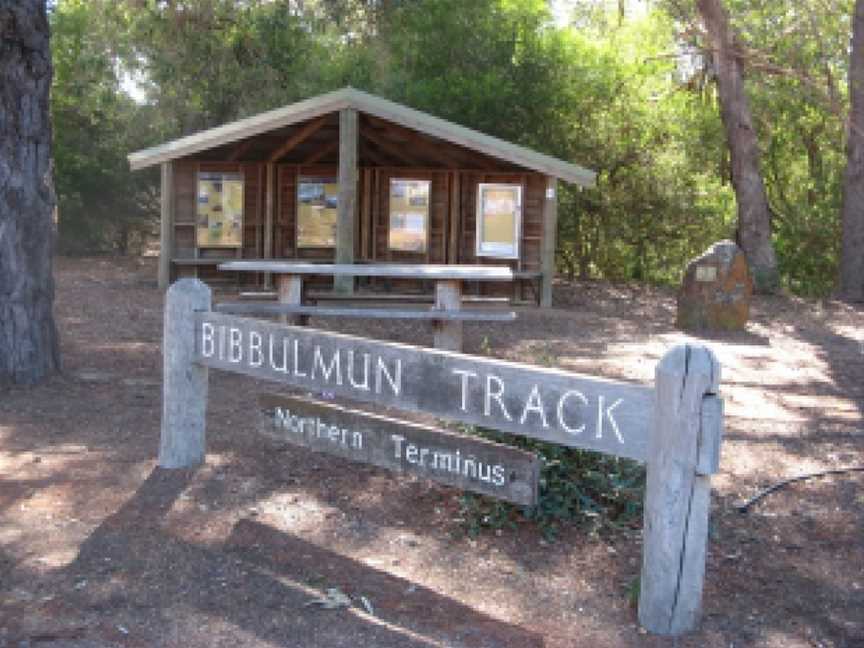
[597,491]
[610,91]
[102,206]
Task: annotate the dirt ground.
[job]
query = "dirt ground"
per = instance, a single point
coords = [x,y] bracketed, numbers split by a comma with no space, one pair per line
[99,547]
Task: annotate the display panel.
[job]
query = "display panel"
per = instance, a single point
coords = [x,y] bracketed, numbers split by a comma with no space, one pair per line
[220,210]
[317,212]
[409,215]
[499,220]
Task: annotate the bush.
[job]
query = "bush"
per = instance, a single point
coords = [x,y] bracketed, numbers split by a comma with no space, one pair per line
[599,492]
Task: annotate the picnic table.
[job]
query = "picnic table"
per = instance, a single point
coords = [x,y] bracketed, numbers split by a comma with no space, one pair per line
[446,313]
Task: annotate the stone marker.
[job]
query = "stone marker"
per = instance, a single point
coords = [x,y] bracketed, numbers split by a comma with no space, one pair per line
[716,290]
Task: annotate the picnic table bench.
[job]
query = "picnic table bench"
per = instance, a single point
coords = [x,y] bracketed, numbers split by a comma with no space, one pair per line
[446,312]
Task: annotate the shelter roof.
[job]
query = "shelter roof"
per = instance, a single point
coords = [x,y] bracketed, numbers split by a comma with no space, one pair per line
[376,107]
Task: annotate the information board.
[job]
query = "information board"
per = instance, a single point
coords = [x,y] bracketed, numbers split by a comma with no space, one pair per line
[409,215]
[499,214]
[220,210]
[317,206]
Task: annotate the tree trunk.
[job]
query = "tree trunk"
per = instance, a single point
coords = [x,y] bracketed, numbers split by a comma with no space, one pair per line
[28,336]
[851,279]
[754,224]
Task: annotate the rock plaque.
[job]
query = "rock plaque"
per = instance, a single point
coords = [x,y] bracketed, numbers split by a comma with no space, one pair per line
[716,290]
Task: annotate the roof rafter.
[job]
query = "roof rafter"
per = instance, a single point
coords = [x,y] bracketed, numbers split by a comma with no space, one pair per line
[296,138]
[322,152]
[387,147]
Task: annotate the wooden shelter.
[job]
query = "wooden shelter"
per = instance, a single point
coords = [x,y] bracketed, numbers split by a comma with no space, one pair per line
[349,177]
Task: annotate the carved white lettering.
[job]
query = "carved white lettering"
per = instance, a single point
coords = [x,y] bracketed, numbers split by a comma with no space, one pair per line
[395,382]
[561,402]
[397,440]
[495,395]
[464,374]
[297,371]
[607,414]
[318,361]
[208,346]
[256,357]
[364,385]
[235,347]
[534,404]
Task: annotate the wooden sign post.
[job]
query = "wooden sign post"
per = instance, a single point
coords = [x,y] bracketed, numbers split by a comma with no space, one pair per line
[675,428]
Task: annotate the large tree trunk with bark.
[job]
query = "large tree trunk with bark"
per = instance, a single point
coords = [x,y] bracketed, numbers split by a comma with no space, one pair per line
[28,336]
[851,279]
[754,222]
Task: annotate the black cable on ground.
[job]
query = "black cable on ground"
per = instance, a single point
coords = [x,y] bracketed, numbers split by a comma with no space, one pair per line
[745,507]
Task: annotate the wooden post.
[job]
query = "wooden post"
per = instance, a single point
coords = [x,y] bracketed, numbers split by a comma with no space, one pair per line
[455,218]
[166,225]
[684,446]
[268,218]
[550,239]
[291,292]
[184,387]
[448,333]
[347,196]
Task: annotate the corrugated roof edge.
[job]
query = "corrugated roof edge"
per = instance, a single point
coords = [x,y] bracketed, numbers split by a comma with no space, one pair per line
[373,105]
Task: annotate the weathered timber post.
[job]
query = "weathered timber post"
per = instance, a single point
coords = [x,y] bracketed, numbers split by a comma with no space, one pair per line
[448,333]
[346,206]
[184,386]
[684,451]
[166,225]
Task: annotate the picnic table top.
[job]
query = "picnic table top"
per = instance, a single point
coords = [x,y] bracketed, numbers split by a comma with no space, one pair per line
[393,270]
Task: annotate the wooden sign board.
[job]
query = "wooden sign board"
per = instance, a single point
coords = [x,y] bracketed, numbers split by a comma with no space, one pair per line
[466,462]
[547,404]
[675,428]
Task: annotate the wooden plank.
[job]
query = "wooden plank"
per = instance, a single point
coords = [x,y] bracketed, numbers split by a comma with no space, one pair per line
[416,297]
[392,270]
[166,224]
[541,403]
[347,196]
[448,300]
[298,138]
[184,387]
[677,499]
[465,462]
[550,236]
[270,308]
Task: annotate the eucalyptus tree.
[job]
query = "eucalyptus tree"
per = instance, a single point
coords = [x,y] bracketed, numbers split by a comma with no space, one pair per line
[851,275]
[29,348]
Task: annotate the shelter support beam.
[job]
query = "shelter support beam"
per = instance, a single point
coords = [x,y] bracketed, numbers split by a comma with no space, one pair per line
[166,229]
[348,133]
[550,241]
[270,195]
